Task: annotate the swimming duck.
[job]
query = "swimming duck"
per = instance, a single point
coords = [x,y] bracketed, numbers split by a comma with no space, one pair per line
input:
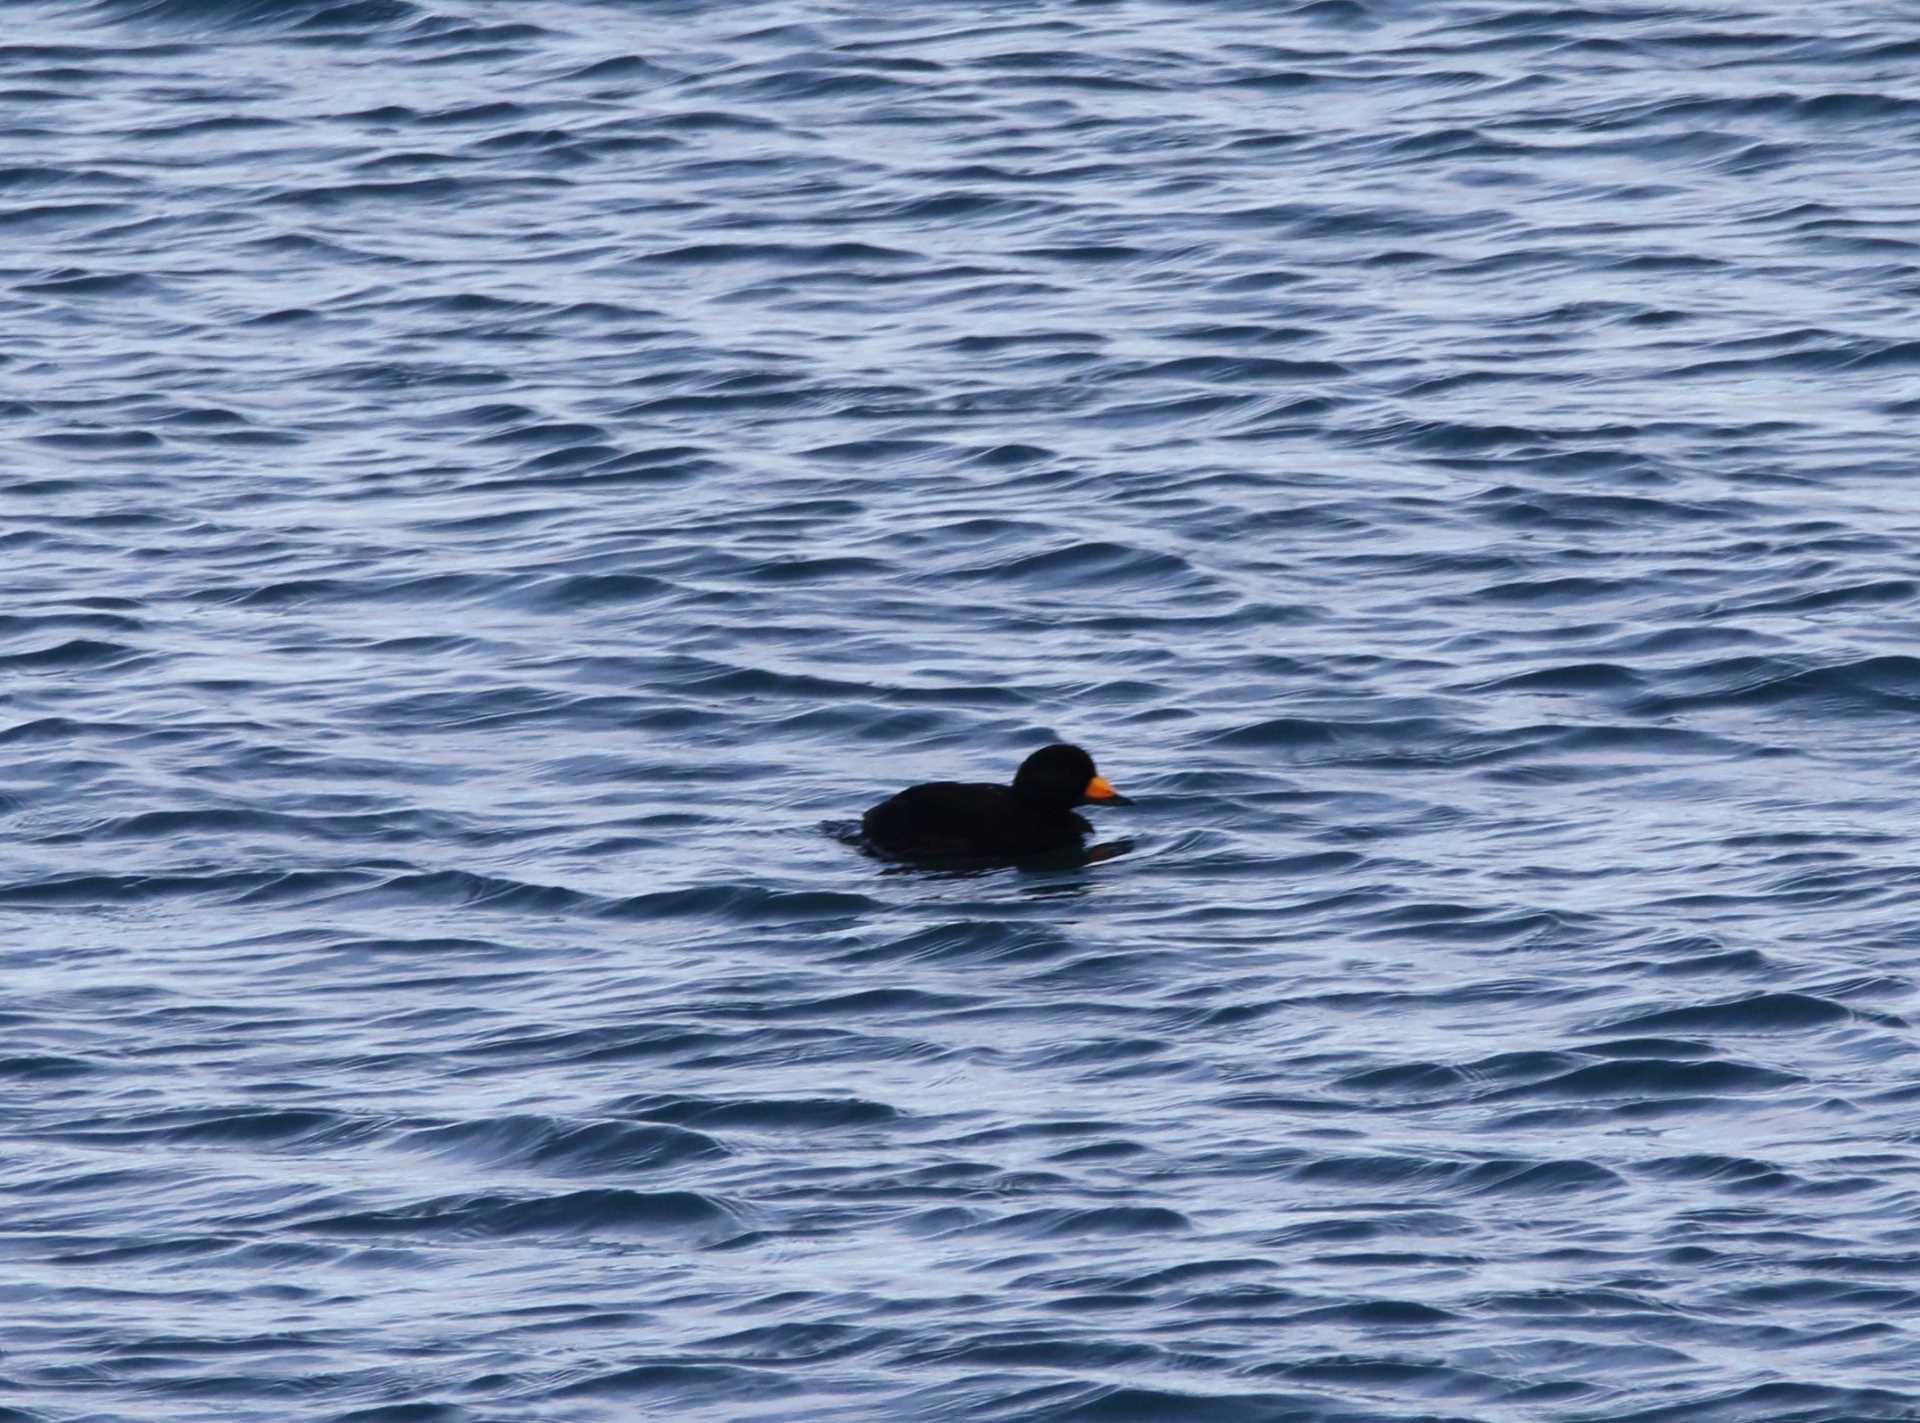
[1032,816]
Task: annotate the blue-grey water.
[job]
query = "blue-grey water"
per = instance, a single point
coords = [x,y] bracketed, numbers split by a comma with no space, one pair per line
[488,492]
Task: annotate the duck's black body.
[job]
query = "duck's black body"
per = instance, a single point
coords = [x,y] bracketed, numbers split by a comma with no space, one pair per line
[1033,816]
[956,818]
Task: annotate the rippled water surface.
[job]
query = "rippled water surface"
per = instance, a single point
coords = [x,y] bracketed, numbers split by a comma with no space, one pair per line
[488,492]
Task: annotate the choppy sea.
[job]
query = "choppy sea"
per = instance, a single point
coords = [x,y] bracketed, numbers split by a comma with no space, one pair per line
[489,491]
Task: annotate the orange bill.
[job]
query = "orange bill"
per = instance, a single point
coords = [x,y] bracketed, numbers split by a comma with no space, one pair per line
[1100,788]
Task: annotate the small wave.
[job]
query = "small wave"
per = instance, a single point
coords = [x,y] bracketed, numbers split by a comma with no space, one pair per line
[216,1126]
[1887,683]
[48,1067]
[220,15]
[967,940]
[1653,1078]
[748,904]
[77,652]
[617,1213]
[1502,1177]
[95,890]
[800,1114]
[1103,564]
[460,887]
[1288,732]
[1574,677]
[1758,1013]
[1069,1224]
[568,1148]
[825,254]
[682,1384]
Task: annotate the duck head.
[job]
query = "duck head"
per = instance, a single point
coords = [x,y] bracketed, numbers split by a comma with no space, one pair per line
[1060,776]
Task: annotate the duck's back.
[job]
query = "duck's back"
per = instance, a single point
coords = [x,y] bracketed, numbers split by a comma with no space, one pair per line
[963,818]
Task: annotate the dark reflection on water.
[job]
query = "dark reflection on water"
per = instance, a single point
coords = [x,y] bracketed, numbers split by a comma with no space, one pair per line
[1061,861]
[483,484]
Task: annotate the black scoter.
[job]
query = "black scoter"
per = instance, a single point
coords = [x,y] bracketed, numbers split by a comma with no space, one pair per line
[1032,816]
